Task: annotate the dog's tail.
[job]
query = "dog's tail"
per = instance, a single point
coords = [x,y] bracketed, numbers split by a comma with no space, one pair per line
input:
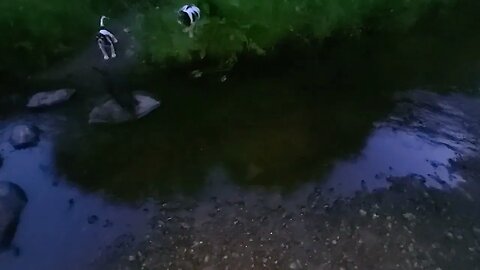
[102,19]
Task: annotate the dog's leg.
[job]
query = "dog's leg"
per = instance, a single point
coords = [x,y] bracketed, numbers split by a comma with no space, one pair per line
[112,48]
[190,30]
[105,55]
[109,35]
[115,40]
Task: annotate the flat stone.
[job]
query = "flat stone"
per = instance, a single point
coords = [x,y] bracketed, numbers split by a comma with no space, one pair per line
[50,98]
[112,112]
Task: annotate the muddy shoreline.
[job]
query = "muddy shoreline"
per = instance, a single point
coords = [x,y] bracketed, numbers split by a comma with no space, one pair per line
[414,222]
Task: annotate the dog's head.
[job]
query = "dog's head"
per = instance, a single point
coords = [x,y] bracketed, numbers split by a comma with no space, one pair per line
[188,15]
[183,18]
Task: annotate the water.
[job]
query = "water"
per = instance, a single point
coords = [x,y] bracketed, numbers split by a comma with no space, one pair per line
[329,121]
[388,154]
[56,230]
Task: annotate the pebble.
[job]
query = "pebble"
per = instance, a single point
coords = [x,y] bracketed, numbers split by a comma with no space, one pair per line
[197,73]
[160,223]
[409,216]
[476,231]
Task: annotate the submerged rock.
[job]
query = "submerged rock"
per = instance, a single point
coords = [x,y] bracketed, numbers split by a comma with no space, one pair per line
[23,136]
[12,201]
[50,98]
[112,112]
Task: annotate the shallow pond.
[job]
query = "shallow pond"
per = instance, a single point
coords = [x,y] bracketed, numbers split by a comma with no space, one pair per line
[332,121]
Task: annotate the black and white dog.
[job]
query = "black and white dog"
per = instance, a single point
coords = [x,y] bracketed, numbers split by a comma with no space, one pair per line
[188,16]
[106,39]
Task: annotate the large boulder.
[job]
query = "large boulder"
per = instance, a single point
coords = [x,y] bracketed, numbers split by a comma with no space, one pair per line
[50,98]
[12,202]
[23,136]
[112,112]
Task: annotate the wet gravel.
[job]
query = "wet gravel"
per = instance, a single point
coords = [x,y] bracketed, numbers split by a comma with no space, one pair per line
[407,226]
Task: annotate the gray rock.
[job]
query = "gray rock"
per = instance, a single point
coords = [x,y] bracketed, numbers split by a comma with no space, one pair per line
[50,98]
[12,202]
[476,231]
[109,112]
[146,104]
[23,136]
[409,216]
[295,265]
[112,112]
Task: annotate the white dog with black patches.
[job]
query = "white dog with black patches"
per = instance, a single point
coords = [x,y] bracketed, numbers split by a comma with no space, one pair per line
[188,16]
[106,39]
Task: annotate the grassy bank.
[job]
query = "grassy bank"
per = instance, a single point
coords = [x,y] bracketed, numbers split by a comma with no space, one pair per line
[231,27]
[36,33]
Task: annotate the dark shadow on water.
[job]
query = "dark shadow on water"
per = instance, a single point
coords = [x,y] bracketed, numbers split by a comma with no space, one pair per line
[268,131]
[277,122]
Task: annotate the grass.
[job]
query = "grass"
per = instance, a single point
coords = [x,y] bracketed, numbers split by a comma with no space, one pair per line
[36,33]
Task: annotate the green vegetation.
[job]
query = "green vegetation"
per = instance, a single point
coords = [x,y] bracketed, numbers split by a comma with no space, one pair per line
[230,27]
[35,31]
[38,32]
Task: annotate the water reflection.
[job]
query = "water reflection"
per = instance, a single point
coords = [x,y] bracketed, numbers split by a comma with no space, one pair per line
[280,127]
